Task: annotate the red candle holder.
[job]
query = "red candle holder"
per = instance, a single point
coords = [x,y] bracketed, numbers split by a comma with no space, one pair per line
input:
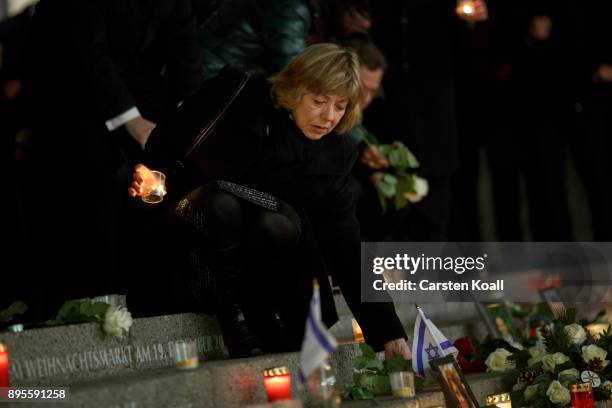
[278,384]
[4,366]
[581,395]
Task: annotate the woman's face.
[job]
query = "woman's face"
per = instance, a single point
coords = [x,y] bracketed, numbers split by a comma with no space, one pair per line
[317,115]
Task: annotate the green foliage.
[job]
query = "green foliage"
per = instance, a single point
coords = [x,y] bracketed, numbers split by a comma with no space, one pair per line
[400,178]
[520,358]
[81,311]
[16,308]
[568,316]
[399,156]
[371,377]
[556,341]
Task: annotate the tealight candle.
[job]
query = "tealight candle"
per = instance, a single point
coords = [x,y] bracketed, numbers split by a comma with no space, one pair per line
[278,384]
[186,355]
[500,400]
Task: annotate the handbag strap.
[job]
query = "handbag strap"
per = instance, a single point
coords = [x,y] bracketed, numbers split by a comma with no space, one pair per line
[210,127]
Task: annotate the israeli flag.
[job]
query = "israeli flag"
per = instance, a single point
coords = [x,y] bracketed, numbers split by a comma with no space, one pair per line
[318,342]
[428,343]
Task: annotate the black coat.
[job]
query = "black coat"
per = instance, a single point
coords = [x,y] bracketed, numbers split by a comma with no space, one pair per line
[272,155]
[415,37]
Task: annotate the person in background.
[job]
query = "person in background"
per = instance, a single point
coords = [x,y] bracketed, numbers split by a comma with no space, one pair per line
[259,37]
[100,75]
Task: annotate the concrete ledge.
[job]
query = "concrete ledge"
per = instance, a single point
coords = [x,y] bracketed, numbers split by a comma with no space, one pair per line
[65,354]
[226,383]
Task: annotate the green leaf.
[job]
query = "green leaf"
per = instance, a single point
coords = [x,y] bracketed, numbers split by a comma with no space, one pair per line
[367,351]
[382,199]
[398,363]
[16,308]
[375,364]
[400,157]
[358,393]
[371,138]
[385,149]
[400,201]
[82,311]
[361,362]
[381,385]
[387,185]
[365,381]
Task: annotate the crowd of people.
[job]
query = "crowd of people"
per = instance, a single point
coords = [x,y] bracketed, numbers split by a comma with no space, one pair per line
[278,194]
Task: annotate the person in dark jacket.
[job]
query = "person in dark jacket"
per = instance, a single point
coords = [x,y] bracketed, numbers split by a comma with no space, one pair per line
[291,218]
[100,75]
[259,37]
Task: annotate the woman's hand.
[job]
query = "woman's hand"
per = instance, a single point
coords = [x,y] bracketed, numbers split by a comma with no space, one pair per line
[397,347]
[141,173]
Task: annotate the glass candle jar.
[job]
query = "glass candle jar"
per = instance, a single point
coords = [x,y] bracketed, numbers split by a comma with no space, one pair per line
[581,395]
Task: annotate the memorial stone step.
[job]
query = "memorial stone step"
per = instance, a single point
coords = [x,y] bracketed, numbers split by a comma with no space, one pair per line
[66,354]
[221,384]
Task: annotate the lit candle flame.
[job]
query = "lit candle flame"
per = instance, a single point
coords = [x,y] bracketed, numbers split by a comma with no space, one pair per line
[468,9]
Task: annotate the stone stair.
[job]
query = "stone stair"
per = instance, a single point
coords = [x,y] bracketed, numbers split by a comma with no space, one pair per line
[138,371]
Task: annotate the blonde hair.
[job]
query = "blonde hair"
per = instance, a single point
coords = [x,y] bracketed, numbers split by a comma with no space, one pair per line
[322,69]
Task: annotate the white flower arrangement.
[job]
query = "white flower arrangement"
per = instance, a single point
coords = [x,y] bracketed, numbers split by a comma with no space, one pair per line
[114,320]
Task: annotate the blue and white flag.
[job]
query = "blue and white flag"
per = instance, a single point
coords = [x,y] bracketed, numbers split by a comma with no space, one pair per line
[428,343]
[318,342]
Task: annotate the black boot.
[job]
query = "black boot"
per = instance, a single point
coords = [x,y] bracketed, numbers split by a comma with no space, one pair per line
[276,324]
[229,300]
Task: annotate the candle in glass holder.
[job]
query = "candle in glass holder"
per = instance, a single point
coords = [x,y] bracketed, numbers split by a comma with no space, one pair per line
[581,395]
[465,8]
[186,354]
[278,384]
[500,400]
[153,187]
[402,384]
[4,366]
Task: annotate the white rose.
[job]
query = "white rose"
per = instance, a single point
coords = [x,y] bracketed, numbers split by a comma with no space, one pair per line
[606,386]
[575,333]
[117,321]
[550,361]
[591,352]
[558,394]
[569,375]
[530,391]
[498,361]
[421,189]
[537,352]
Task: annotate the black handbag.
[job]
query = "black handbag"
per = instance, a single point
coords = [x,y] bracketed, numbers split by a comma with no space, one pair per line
[187,140]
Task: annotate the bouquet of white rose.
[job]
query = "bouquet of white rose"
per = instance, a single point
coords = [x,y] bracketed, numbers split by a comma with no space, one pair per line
[115,320]
[564,354]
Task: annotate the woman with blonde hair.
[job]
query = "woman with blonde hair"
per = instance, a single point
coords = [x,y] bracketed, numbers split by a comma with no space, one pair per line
[268,201]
